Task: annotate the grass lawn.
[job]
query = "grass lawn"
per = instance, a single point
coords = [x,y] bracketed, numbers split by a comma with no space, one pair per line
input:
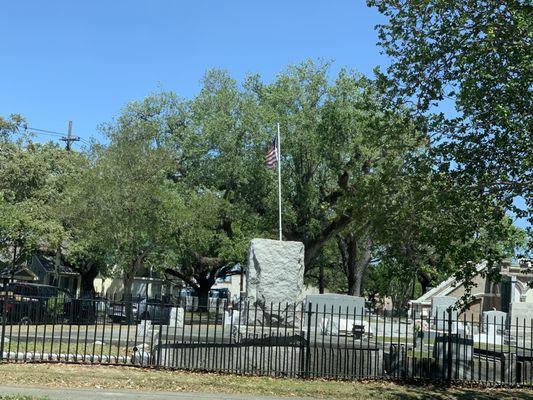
[106,377]
[22,398]
[55,347]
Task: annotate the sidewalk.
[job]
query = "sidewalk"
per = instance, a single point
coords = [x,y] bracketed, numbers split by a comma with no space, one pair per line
[106,394]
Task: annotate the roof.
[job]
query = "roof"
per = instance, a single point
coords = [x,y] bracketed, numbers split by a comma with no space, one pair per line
[444,288]
[48,264]
[22,273]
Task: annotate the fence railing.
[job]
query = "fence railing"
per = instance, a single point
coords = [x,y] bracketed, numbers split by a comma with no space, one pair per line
[293,340]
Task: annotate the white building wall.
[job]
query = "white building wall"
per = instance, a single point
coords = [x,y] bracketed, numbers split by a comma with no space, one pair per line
[114,287]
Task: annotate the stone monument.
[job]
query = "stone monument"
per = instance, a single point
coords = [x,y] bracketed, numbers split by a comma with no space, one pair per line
[439,311]
[521,316]
[336,303]
[176,318]
[274,282]
[493,325]
[144,329]
[336,313]
[494,321]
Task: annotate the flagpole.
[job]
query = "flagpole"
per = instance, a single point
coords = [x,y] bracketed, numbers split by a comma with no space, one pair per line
[279,185]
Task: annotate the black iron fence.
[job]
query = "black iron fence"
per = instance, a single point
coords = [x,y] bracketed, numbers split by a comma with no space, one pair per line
[293,340]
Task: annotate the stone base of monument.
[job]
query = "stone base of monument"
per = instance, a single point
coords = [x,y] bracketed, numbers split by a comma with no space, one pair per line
[269,315]
[274,283]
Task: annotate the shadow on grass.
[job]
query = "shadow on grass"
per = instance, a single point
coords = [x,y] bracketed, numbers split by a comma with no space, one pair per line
[439,392]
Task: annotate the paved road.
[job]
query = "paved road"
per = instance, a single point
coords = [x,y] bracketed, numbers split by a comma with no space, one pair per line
[103,394]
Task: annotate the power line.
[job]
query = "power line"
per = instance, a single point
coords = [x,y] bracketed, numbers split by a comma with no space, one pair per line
[51,133]
[63,137]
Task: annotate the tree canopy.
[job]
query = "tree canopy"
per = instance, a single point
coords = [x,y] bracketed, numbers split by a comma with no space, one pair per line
[342,144]
[477,55]
[33,179]
[181,187]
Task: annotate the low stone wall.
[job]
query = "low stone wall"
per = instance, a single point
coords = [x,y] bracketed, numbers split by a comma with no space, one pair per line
[296,360]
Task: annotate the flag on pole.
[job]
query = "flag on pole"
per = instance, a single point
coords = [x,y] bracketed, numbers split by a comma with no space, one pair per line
[272,154]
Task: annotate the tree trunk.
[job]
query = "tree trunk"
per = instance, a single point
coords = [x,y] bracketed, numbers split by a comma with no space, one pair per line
[354,286]
[355,258]
[205,283]
[203,298]
[129,277]
[425,281]
[13,266]
[88,274]
[127,298]
[360,268]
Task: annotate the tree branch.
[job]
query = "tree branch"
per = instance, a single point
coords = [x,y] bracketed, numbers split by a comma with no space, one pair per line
[184,278]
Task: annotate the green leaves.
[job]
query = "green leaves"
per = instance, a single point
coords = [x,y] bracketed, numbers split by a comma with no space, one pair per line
[125,203]
[10,126]
[32,183]
[479,54]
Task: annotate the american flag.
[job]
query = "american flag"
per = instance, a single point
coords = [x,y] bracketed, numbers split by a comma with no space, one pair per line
[272,154]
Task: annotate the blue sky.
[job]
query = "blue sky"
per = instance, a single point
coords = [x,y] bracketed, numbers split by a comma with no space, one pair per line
[82,61]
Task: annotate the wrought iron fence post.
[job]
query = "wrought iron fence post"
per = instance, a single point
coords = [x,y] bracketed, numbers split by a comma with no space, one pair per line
[308,340]
[159,345]
[2,340]
[449,343]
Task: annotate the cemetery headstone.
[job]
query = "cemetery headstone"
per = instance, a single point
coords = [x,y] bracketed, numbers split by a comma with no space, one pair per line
[439,311]
[177,315]
[521,316]
[144,329]
[494,321]
[231,318]
[217,305]
[335,313]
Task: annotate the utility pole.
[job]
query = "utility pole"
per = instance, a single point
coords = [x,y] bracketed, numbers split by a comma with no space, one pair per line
[69,139]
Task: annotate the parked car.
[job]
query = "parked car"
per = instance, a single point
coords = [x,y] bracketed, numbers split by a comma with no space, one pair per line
[187,292]
[81,311]
[117,311]
[27,303]
[155,310]
[219,294]
[213,293]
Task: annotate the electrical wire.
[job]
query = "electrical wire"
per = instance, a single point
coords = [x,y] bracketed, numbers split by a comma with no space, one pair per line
[45,131]
[53,133]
